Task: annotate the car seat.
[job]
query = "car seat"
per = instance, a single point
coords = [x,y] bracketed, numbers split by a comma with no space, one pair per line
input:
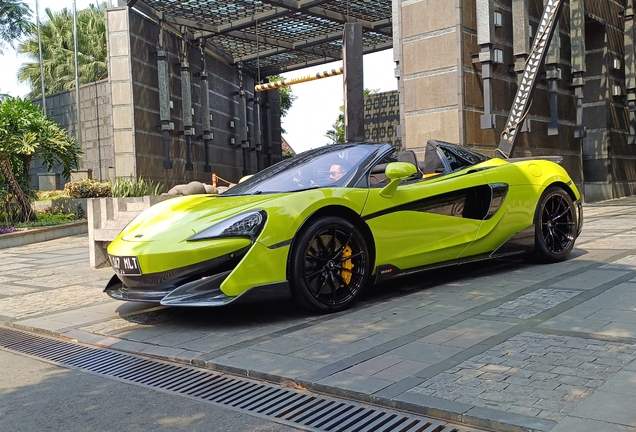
[410,157]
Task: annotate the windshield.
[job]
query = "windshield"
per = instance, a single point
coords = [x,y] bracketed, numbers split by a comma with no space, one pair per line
[328,166]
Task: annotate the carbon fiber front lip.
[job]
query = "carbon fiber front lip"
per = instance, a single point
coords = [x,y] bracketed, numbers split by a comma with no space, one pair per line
[199,293]
[204,291]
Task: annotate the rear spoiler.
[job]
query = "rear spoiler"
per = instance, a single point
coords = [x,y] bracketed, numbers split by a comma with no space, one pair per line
[555,159]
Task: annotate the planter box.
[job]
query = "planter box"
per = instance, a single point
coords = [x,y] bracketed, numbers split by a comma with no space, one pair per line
[107,217]
[64,205]
[40,234]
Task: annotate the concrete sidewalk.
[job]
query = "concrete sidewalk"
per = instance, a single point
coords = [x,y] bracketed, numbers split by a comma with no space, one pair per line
[505,345]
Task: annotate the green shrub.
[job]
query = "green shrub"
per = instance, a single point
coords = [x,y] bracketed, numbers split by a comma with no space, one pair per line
[50,219]
[135,188]
[87,188]
[51,195]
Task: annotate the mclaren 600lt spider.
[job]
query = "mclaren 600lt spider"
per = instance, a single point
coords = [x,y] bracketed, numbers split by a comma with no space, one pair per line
[329,222]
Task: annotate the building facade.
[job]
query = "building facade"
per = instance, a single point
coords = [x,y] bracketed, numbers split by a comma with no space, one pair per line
[460,61]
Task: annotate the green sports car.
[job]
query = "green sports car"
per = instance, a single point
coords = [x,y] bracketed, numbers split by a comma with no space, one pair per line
[331,221]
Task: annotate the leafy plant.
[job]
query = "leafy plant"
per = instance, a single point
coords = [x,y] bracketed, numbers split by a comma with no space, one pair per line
[135,188]
[7,230]
[51,195]
[25,131]
[14,22]
[49,219]
[87,188]
[337,133]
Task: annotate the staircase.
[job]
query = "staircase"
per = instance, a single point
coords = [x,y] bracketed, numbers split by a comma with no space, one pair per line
[107,217]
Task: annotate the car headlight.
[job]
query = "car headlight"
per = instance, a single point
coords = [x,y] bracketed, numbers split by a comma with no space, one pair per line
[247,224]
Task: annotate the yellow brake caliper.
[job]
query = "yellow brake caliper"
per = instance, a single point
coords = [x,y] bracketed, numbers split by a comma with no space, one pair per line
[347,265]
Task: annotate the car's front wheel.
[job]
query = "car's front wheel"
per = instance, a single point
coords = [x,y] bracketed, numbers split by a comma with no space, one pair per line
[555,225]
[329,265]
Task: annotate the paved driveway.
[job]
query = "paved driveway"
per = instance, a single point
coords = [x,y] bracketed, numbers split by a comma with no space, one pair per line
[541,347]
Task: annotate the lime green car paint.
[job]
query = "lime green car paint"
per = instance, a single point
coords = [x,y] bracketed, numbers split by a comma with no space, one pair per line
[260,266]
[413,223]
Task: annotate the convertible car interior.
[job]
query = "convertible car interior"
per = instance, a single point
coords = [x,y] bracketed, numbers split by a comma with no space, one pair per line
[439,158]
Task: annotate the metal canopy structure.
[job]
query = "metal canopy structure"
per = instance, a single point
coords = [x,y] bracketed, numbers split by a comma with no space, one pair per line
[273,36]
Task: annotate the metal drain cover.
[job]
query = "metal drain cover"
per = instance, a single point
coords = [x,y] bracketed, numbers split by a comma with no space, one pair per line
[292,407]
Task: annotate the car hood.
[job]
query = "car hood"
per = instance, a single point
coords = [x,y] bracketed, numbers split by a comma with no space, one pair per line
[178,219]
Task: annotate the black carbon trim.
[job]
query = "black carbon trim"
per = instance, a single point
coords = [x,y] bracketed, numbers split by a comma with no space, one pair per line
[521,242]
[169,280]
[280,244]
[499,193]
[477,202]
[396,273]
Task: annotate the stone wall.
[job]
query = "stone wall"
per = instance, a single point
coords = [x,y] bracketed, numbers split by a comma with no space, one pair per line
[139,140]
[442,88]
[382,118]
[97,128]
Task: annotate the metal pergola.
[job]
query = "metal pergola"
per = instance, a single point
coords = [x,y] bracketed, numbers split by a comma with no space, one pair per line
[274,36]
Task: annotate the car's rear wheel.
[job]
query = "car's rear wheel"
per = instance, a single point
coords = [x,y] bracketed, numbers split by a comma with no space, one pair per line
[555,225]
[329,265]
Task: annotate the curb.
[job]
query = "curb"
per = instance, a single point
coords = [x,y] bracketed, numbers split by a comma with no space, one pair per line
[36,235]
[463,415]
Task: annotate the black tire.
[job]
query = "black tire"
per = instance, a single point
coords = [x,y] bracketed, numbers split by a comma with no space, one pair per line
[329,265]
[555,226]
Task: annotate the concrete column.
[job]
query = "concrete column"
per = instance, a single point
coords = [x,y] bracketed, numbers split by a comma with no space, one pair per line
[485,40]
[427,54]
[353,82]
[521,43]
[120,80]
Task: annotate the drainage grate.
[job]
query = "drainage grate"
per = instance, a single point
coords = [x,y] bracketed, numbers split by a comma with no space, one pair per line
[291,407]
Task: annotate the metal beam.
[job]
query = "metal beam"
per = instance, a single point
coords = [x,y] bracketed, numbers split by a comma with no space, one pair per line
[308,7]
[520,105]
[299,46]
[253,20]
[292,81]
[281,69]
[174,27]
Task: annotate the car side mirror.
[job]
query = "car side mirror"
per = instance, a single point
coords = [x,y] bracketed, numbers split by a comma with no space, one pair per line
[396,172]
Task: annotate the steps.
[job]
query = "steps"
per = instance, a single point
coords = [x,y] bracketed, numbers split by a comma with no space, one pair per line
[107,217]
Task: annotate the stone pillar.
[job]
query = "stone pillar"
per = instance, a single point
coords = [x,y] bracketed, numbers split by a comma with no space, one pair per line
[120,79]
[427,51]
[353,83]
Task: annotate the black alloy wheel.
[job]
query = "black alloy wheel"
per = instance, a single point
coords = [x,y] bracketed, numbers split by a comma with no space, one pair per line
[556,223]
[329,265]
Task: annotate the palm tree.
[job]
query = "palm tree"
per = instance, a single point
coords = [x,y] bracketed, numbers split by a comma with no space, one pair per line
[58,58]
[14,22]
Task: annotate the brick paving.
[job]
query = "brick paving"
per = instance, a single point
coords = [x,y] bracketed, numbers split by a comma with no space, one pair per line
[529,305]
[533,374]
[534,347]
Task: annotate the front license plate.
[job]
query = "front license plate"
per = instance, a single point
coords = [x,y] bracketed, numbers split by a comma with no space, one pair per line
[125,265]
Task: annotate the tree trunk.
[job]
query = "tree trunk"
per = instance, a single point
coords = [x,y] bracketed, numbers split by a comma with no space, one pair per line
[26,212]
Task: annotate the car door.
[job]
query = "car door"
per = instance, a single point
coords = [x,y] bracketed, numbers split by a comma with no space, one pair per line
[427,221]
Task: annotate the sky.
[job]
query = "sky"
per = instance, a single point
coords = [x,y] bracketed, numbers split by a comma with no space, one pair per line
[11,61]
[312,113]
[319,101]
